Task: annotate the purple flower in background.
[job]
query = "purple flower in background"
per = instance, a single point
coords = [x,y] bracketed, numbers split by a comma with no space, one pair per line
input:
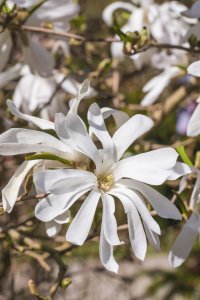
[183,117]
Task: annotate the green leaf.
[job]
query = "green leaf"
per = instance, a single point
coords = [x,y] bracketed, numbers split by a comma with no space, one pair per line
[48,156]
[184,156]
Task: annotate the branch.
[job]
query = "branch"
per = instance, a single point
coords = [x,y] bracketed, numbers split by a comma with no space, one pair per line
[83,39]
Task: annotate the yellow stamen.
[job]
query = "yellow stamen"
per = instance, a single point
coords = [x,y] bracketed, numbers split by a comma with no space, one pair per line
[105,182]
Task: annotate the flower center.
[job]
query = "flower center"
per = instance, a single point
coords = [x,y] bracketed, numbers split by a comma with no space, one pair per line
[105,182]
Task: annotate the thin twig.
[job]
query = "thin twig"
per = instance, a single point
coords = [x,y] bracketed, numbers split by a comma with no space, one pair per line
[80,38]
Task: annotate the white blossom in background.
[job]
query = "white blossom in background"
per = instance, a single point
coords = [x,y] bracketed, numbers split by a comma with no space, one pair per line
[34,92]
[193,14]
[191,229]
[36,56]
[193,128]
[107,177]
[166,25]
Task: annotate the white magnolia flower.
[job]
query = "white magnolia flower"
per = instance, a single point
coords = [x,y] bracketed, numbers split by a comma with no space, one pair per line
[166,26]
[190,231]
[36,56]
[108,177]
[33,92]
[193,128]
[21,141]
[154,87]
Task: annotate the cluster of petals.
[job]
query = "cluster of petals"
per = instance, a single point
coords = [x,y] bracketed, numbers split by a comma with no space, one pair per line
[166,25]
[94,173]
[35,55]
[191,229]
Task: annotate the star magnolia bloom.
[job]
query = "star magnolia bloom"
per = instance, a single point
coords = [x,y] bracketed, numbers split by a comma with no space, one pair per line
[32,92]
[21,141]
[37,57]
[165,24]
[190,231]
[108,177]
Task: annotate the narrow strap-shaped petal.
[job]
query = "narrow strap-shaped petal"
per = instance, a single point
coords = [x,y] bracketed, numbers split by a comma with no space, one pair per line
[196,192]
[106,253]
[179,170]
[73,184]
[109,221]
[119,116]
[130,131]
[194,68]
[110,9]
[84,88]
[156,85]
[52,228]
[98,128]
[44,180]
[10,74]
[139,204]
[163,206]
[11,190]
[53,206]
[63,218]
[81,138]
[81,224]
[153,167]
[184,242]
[38,58]
[152,237]
[41,123]
[135,227]
[193,128]
[19,141]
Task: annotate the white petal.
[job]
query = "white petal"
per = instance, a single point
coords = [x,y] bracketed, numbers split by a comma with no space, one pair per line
[135,228]
[5,48]
[19,141]
[52,228]
[153,167]
[184,242]
[120,117]
[193,128]
[63,218]
[106,253]
[81,138]
[194,68]
[109,221]
[38,58]
[98,128]
[53,206]
[10,74]
[196,192]
[152,237]
[179,170]
[44,180]
[11,190]
[41,123]
[163,206]
[81,224]
[110,9]
[130,131]
[80,95]
[51,11]
[156,85]
[193,12]
[73,184]
[139,204]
